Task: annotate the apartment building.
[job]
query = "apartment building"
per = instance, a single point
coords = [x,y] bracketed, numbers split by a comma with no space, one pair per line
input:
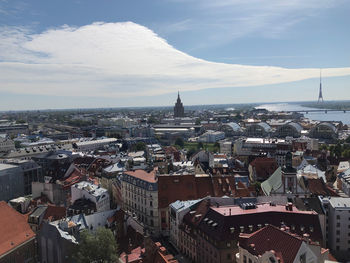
[140,197]
[337,211]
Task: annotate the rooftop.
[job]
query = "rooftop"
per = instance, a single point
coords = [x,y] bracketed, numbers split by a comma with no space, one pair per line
[260,208]
[143,175]
[14,229]
[339,202]
[181,205]
[93,189]
[4,166]
[284,244]
[106,140]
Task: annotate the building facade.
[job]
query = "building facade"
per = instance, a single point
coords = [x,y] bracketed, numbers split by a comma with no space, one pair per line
[140,197]
[92,192]
[179,111]
[337,211]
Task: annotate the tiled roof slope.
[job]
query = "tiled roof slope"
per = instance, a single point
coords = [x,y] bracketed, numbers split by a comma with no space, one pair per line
[272,238]
[14,229]
[263,214]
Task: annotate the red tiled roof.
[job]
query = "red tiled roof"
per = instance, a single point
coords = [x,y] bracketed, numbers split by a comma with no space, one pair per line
[75,177]
[143,175]
[14,229]
[264,167]
[223,185]
[272,238]
[54,213]
[98,164]
[133,257]
[318,187]
[170,150]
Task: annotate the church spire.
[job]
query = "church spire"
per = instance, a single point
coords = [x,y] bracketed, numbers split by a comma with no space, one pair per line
[320,97]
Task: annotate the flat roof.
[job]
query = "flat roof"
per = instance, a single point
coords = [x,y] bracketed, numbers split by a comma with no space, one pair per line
[260,208]
[93,189]
[107,140]
[340,202]
[264,140]
[4,166]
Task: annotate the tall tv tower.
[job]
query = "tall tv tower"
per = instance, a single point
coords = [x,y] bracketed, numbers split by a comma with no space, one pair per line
[320,97]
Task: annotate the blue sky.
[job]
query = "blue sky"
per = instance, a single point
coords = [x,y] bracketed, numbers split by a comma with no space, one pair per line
[66,54]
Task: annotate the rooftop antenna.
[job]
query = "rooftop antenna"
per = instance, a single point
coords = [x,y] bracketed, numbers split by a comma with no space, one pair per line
[320,97]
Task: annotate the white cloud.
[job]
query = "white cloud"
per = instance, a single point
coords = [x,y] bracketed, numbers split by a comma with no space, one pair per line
[120,60]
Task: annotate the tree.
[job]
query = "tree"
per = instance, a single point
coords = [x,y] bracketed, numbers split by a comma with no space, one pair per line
[190,152]
[338,150]
[97,247]
[140,146]
[180,142]
[348,139]
[17,144]
[217,145]
[20,121]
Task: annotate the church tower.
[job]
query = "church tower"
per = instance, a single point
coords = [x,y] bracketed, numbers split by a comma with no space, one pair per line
[179,111]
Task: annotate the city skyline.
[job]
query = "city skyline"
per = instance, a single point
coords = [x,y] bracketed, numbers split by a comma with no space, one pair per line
[110,55]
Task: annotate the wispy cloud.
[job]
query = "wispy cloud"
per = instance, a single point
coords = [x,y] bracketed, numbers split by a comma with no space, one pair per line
[222,21]
[118,60]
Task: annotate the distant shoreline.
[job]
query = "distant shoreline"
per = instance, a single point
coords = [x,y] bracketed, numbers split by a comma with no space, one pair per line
[332,105]
[338,105]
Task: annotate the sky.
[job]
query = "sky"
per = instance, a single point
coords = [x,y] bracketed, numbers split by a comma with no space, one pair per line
[111,53]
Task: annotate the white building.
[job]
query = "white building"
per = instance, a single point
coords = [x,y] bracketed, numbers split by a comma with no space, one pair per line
[140,197]
[92,192]
[344,179]
[6,145]
[226,147]
[94,144]
[342,167]
[121,122]
[177,211]
[212,136]
[337,211]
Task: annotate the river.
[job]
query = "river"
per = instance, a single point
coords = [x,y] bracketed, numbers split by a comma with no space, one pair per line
[319,116]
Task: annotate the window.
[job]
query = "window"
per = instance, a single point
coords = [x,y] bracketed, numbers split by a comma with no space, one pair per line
[338,232]
[303,258]
[338,224]
[338,217]
[244,259]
